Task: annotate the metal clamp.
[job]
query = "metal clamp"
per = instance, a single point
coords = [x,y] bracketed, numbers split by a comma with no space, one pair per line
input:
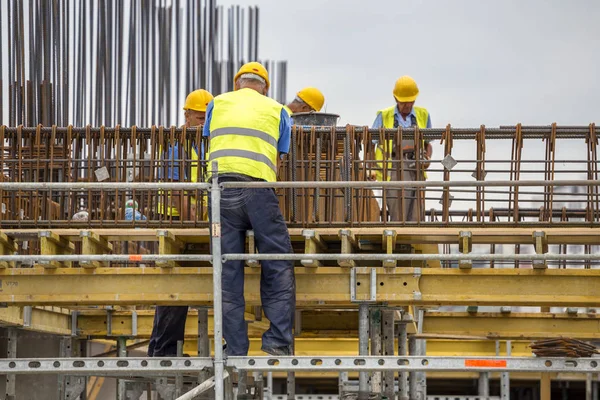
[372,286]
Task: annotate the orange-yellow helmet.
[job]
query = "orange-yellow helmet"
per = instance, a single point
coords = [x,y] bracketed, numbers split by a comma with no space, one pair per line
[406,90]
[198,100]
[253,68]
[313,97]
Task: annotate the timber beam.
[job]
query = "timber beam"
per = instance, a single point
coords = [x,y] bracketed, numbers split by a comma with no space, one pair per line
[7,247]
[370,238]
[54,244]
[327,286]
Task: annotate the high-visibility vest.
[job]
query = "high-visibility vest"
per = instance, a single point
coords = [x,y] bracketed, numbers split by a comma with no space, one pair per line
[386,147]
[171,155]
[244,131]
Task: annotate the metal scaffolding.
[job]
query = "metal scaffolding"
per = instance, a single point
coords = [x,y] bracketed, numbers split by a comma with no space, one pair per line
[382,287]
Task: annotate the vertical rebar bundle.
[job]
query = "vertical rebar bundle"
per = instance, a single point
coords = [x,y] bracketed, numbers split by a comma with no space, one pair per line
[120,62]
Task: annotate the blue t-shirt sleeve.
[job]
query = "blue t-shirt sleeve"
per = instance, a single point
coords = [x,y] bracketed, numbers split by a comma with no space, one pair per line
[378,123]
[206,129]
[428,120]
[285,133]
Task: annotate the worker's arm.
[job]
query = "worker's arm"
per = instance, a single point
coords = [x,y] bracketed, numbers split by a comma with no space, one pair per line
[208,118]
[378,123]
[428,148]
[285,135]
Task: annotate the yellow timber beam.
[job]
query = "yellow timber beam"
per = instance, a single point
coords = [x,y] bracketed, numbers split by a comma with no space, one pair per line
[51,320]
[93,324]
[513,325]
[333,324]
[404,235]
[349,347]
[327,286]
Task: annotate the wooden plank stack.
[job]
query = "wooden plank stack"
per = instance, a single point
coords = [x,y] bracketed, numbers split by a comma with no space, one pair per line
[563,347]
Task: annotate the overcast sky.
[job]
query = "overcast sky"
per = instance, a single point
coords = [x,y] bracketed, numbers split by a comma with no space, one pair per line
[476,62]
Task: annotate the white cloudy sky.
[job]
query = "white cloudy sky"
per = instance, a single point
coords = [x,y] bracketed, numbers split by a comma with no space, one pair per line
[490,62]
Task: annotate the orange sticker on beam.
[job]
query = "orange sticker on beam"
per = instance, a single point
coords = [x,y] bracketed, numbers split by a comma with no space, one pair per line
[135,257]
[486,363]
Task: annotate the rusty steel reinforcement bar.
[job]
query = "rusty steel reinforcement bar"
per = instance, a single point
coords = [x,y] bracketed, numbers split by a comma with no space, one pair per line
[294,257]
[74,186]
[171,366]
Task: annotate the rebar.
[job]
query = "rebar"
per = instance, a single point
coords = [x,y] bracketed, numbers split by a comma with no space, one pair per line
[119,62]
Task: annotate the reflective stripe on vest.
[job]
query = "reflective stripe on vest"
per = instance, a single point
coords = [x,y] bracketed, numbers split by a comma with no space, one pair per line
[243,154]
[387,118]
[244,131]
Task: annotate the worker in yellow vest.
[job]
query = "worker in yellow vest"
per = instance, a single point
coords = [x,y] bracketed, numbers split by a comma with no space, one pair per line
[248,132]
[403,114]
[306,100]
[169,321]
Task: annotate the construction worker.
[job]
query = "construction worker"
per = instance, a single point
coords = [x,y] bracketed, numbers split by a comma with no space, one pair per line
[169,321]
[307,100]
[195,112]
[248,131]
[403,114]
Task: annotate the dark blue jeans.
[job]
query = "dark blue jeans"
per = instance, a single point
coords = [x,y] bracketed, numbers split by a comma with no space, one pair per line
[242,210]
[256,209]
[167,330]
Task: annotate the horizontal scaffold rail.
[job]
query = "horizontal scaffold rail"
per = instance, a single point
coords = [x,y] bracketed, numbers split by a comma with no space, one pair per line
[189,365]
[314,286]
[75,186]
[503,132]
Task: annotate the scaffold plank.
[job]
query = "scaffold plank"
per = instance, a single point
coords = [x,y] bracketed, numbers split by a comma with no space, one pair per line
[321,286]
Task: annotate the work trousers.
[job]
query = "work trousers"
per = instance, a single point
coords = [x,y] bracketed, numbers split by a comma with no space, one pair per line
[395,206]
[242,210]
[257,210]
[168,328]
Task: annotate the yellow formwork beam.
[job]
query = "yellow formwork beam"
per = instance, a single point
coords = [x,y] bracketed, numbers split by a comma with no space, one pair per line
[332,325]
[93,324]
[327,286]
[52,320]
[513,325]
[349,347]
[404,235]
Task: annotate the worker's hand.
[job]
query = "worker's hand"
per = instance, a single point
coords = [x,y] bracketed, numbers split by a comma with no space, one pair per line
[371,176]
[427,155]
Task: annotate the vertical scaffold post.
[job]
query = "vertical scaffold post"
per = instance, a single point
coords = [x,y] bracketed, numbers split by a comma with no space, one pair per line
[217,270]
[363,349]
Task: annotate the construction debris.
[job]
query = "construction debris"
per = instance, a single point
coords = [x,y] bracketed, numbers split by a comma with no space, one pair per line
[563,347]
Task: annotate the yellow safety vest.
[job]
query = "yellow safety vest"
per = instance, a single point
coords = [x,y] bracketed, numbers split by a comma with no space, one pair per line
[172,211]
[244,131]
[387,117]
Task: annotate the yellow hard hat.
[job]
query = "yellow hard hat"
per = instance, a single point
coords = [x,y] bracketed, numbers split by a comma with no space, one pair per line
[253,68]
[198,100]
[406,90]
[313,97]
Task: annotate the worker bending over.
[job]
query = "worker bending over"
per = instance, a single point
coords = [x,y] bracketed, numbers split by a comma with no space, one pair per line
[403,114]
[169,321]
[307,100]
[247,132]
